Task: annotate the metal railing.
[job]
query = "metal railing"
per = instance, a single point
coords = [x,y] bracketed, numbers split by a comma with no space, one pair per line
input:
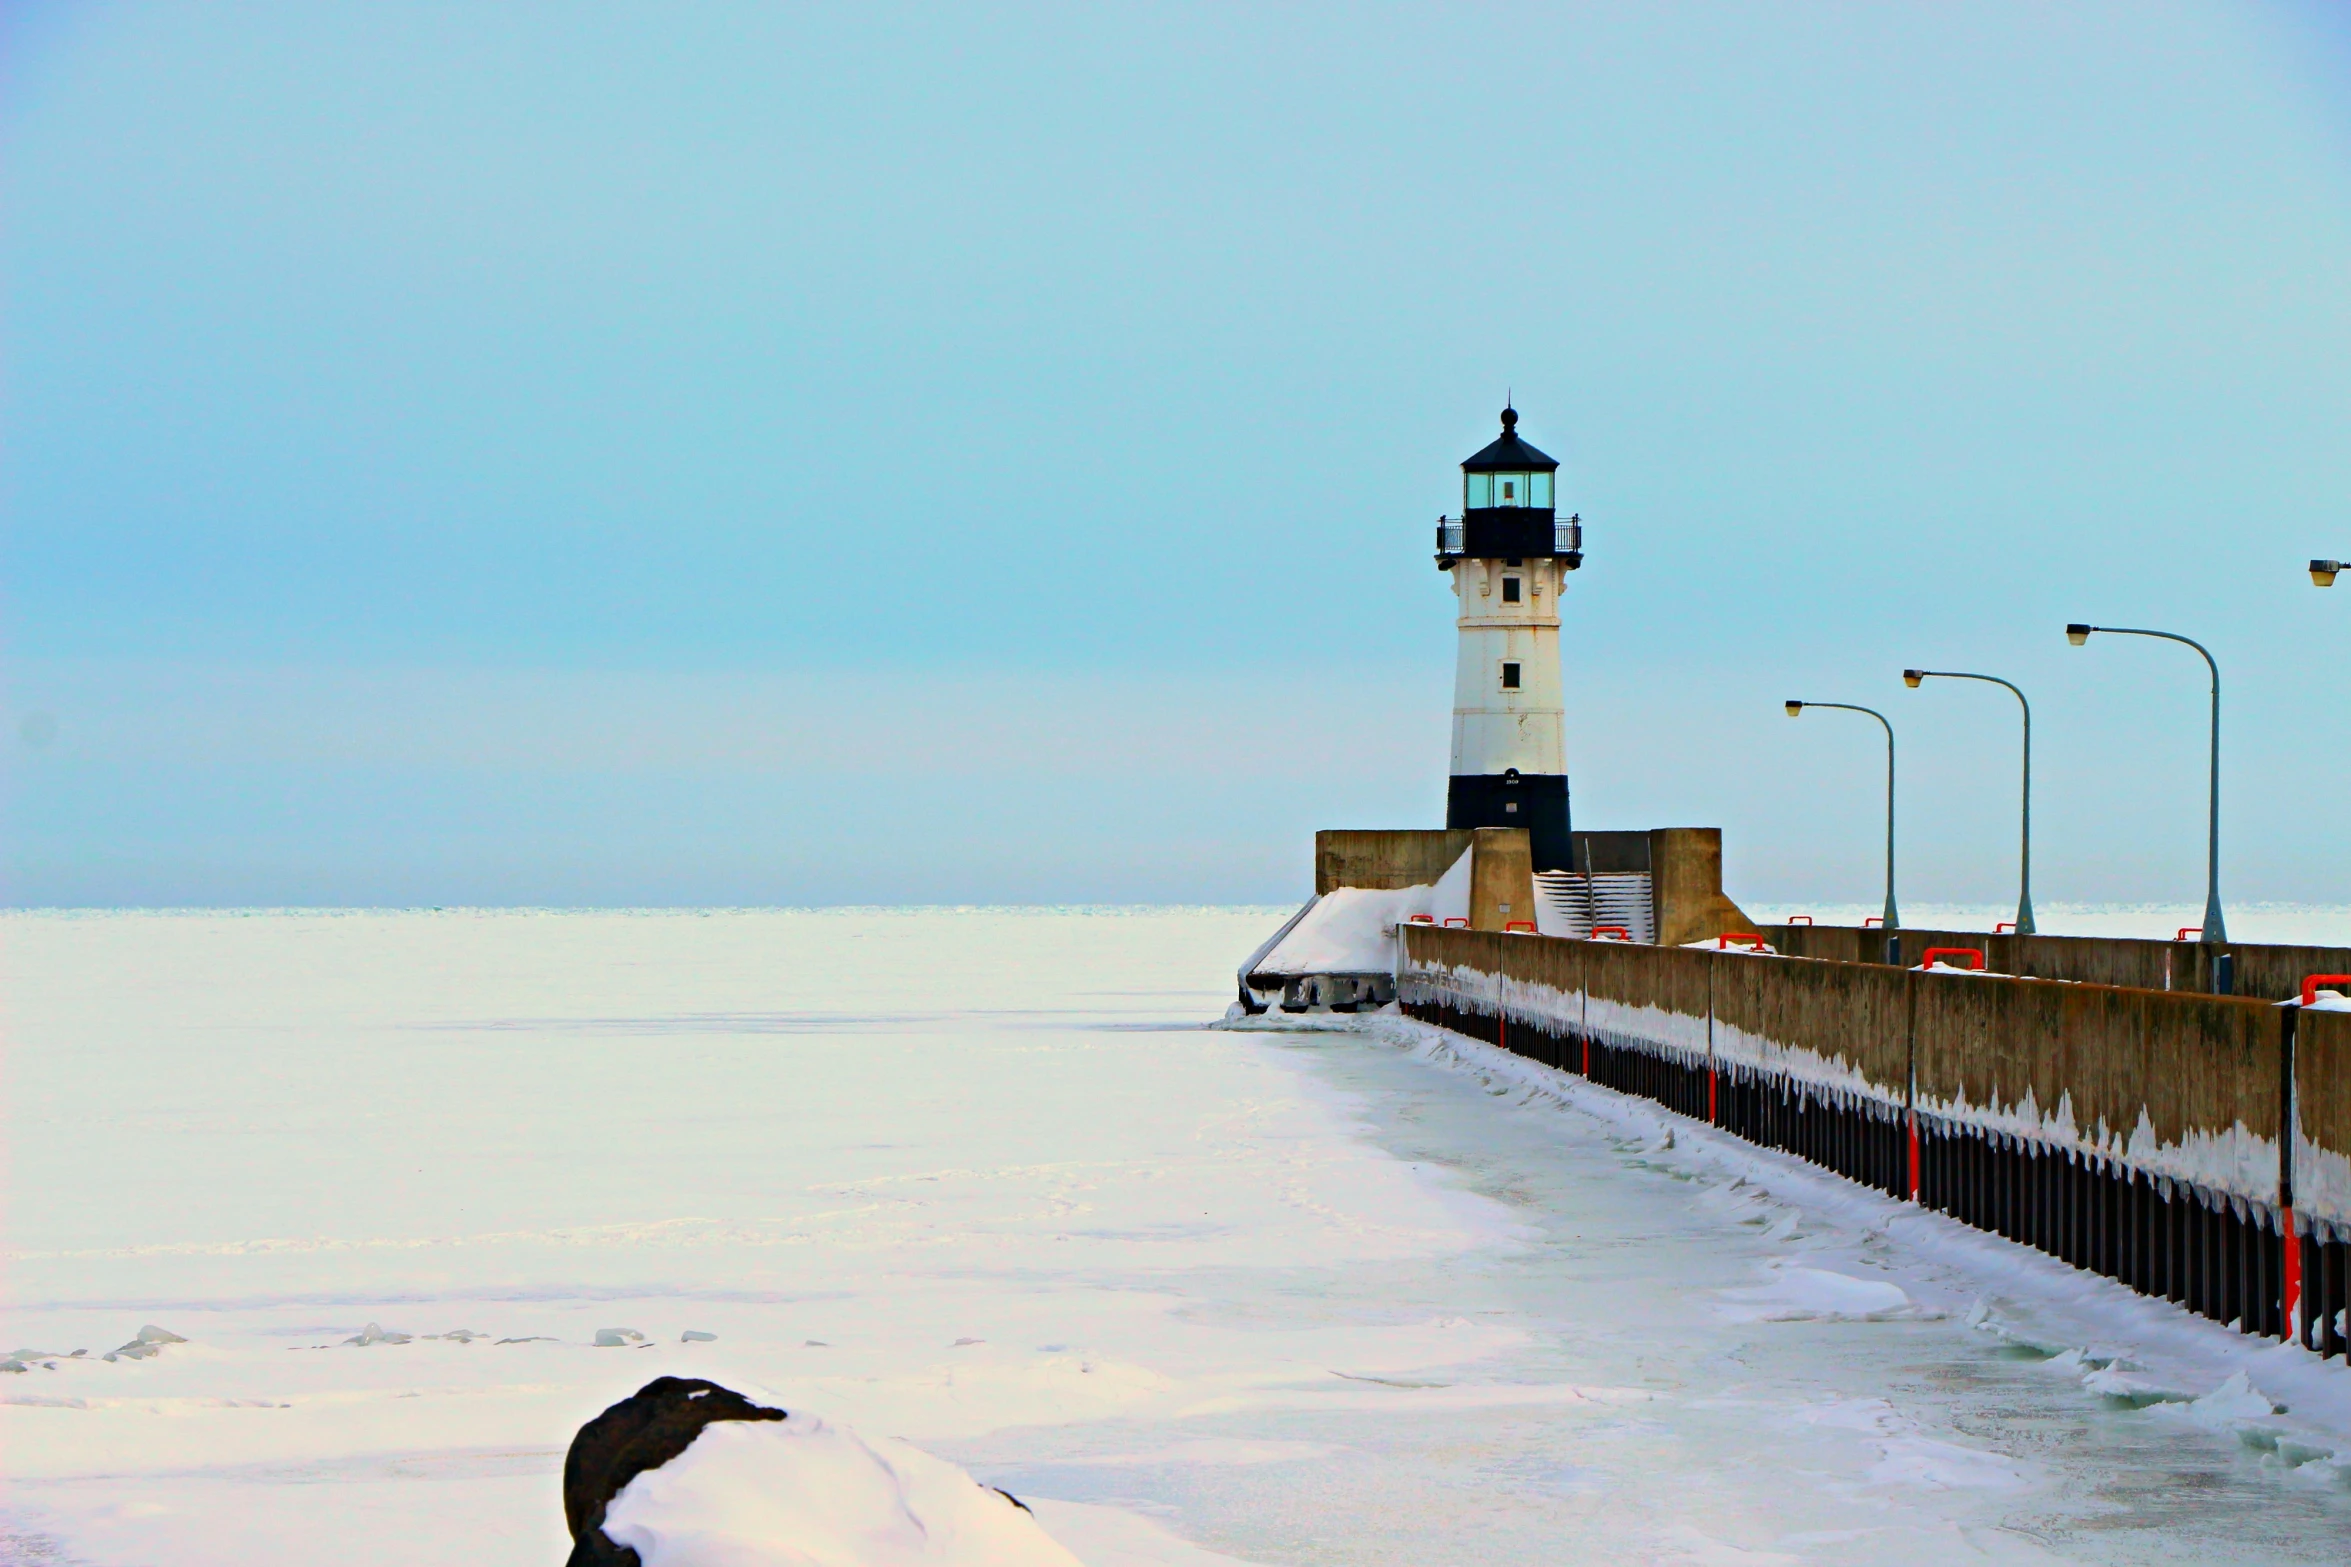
[1567,536]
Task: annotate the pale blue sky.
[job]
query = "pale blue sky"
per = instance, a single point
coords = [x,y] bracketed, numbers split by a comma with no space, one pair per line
[670,453]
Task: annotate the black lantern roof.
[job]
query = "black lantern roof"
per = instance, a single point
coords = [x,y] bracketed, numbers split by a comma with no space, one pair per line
[1510,454]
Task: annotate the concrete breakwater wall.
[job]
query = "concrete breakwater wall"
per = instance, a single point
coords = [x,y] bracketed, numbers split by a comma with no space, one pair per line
[2261,970]
[2195,1147]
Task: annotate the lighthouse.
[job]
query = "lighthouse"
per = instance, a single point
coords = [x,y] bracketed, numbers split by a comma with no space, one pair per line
[1509,554]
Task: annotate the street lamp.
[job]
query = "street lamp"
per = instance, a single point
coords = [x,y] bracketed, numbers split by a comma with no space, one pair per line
[1796,709]
[2322,573]
[2078,634]
[1913,678]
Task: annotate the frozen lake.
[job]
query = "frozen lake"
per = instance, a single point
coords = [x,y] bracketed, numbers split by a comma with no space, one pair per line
[983,1180]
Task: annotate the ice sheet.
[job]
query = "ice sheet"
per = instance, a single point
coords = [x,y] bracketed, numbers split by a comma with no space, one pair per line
[978,1181]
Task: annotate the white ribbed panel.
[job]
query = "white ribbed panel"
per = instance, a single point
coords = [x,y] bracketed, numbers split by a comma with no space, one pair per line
[1568,903]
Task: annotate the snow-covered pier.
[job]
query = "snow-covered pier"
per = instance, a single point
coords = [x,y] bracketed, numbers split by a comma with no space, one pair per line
[2195,1147]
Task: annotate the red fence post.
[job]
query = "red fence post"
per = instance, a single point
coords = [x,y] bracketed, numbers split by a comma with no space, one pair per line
[1913,1153]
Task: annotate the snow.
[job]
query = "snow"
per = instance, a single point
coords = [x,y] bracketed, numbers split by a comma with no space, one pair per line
[1798,1294]
[980,1183]
[1352,930]
[802,1492]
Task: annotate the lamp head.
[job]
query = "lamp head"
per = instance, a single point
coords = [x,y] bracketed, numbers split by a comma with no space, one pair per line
[2322,573]
[2077,634]
[1912,677]
[1794,708]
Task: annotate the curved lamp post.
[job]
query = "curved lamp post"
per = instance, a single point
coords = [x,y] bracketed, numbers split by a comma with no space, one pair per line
[2024,876]
[1796,709]
[2077,633]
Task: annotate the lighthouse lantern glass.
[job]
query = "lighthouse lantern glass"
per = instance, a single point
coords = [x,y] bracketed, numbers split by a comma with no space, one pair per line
[1506,489]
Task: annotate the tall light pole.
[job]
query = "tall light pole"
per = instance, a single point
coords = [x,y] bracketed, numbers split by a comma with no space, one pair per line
[2214,928]
[2024,876]
[1796,709]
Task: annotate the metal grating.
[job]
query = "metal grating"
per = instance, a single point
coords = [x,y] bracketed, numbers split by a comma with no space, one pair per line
[1569,903]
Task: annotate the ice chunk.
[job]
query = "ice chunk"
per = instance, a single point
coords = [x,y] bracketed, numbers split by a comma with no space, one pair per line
[377,1333]
[618,1338]
[1945,1466]
[1816,1295]
[2124,1387]
[697,1336]
[147,1345]
[2234,1400]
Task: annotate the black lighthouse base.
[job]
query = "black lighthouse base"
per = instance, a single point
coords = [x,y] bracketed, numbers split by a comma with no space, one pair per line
[1535,801]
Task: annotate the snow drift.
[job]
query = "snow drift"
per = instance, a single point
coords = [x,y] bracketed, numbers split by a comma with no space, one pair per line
[1352,930]
[685,1473]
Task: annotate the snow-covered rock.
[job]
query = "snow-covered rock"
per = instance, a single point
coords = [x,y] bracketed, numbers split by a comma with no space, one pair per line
[147,1345]
[685,1473]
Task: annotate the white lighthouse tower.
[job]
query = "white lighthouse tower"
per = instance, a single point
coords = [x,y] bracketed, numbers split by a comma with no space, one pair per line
[1509,555]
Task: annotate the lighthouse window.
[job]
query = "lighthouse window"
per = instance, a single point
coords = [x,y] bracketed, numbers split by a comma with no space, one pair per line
[1480,491]
[1510,590]
[1538,489]
[1510,677]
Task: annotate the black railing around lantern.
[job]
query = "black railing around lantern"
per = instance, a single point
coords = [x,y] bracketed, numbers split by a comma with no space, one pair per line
[1514,533]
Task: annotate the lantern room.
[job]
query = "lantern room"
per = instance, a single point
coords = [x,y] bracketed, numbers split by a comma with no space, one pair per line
[1509,506]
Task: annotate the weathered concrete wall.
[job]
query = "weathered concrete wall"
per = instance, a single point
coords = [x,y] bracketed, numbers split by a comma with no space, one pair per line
[1685,880]
[2263,972]
[1385,857]
[2181,1085]
[2322,1103]
[1820,1022]
[1610,851]
[1836,943]
[2184,1086]
[2275,973]
[1501,878]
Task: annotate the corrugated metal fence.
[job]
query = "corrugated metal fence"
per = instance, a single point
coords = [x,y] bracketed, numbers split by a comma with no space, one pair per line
[2195,1147]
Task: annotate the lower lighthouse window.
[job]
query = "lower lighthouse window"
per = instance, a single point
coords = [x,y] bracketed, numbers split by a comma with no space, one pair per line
[1510,677]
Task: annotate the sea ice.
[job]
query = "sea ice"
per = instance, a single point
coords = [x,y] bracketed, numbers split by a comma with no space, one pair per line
[1359,1291]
